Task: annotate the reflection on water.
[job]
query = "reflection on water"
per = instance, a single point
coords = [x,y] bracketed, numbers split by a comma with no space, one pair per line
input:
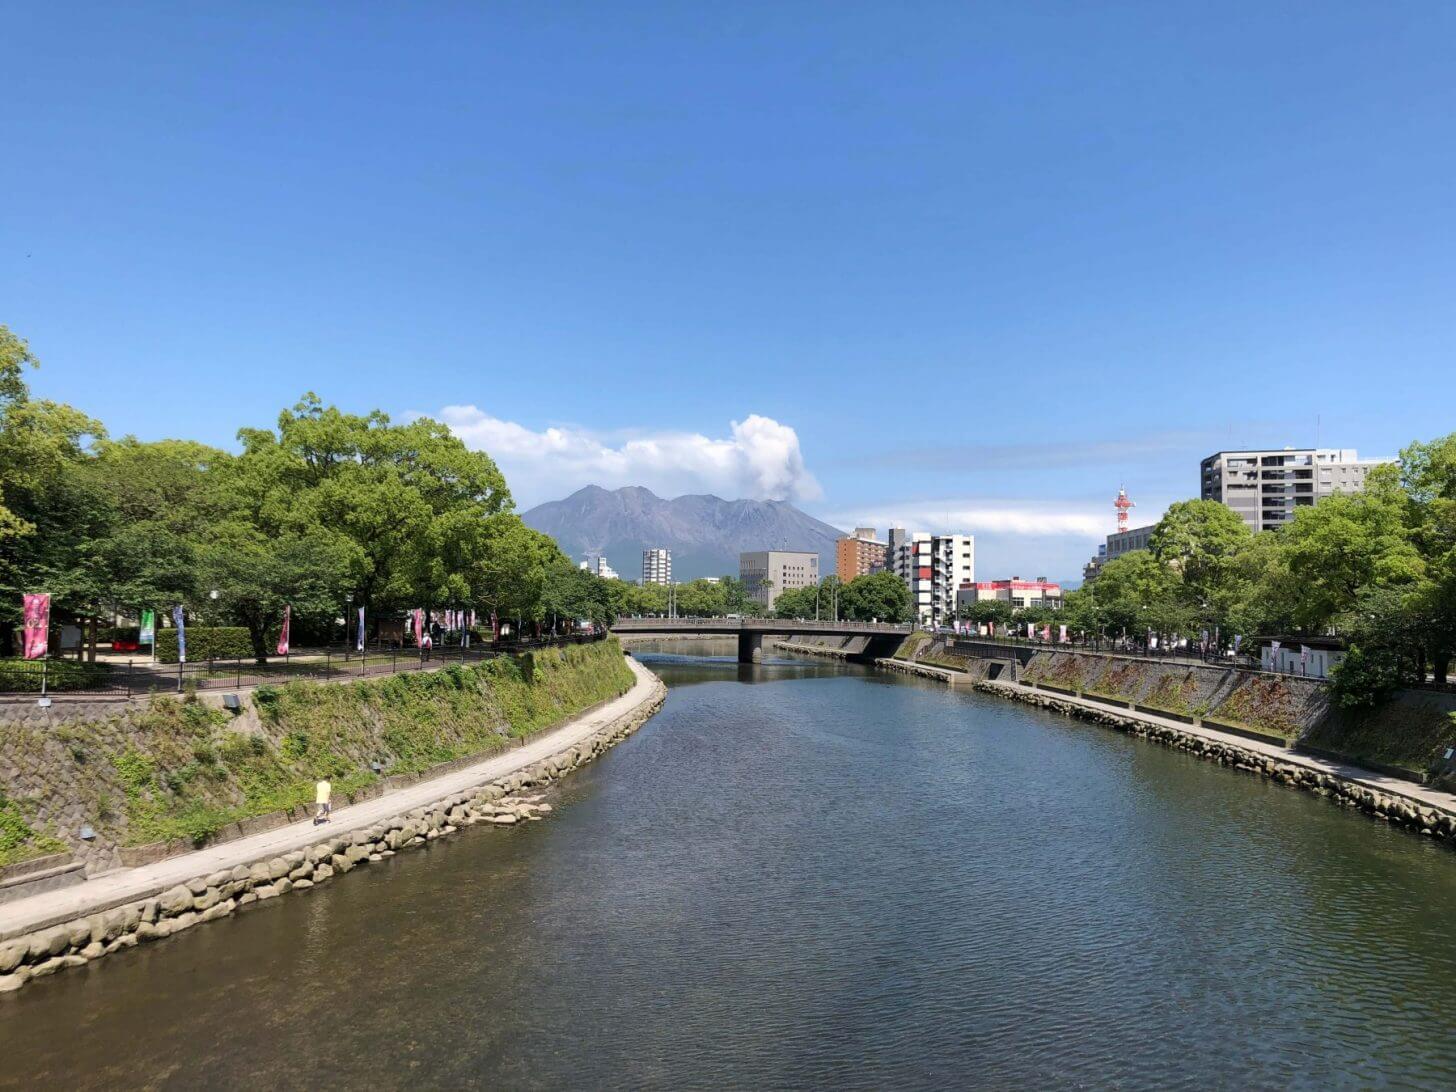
[828,878]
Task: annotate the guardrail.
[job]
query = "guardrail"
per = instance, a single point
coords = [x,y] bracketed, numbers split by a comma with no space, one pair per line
[22,679]
[1212,658]
[760,625]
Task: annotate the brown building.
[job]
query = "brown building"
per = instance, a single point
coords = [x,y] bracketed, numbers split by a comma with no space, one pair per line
[858,554]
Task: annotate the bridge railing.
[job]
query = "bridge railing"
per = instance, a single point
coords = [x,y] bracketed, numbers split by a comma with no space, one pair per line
[758,625]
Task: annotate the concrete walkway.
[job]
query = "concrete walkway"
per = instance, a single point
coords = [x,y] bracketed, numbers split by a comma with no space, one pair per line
[1394,786]
[131,884]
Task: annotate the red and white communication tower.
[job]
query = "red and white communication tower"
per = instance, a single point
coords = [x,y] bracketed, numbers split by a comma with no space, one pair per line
[1122,504]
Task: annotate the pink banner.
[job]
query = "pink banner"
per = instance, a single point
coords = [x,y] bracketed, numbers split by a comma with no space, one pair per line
[283,633]
[37,626]
[419,627]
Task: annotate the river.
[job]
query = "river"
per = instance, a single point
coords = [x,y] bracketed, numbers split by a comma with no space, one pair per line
[806,874]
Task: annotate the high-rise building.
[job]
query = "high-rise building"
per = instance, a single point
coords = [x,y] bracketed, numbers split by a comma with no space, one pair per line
[597,563]
[858,554]
[1266,488]
[657,566]
[934,567]
[767,573]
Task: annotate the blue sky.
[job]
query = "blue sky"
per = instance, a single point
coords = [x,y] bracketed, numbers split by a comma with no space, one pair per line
[968,266]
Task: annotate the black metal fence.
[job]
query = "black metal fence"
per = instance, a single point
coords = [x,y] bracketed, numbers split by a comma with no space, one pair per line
[1119,647]
[29,679]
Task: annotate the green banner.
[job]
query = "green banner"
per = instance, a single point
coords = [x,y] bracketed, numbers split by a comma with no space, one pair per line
[149,627]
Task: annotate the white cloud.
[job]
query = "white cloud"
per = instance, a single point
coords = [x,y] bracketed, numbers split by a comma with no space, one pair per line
[987,516]
[760,458]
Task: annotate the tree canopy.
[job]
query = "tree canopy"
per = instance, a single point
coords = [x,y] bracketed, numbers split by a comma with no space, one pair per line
[324,509]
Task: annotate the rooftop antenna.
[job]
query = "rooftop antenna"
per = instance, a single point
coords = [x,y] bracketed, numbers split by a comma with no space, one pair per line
[1122,504]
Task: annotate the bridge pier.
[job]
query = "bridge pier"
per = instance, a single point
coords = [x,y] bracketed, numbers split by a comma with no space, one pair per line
[750,647]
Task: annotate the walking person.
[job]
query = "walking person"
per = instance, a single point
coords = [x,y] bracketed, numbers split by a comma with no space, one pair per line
[323,794]
[427,645]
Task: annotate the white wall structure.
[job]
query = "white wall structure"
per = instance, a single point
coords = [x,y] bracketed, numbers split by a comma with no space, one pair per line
[657,566]
[933,568]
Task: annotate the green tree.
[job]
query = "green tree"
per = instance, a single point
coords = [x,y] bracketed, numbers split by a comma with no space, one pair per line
[54,513]
[881,596]
[1137,592]
[509,575]
[1347,545]
[164,503]
[14,358]
[414,500]
[1202,540]
[1385,649]
[796,603]
[988,612]
[1428,477]
[257,574]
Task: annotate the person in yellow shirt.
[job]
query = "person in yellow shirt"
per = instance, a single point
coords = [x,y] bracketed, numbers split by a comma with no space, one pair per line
[322,793]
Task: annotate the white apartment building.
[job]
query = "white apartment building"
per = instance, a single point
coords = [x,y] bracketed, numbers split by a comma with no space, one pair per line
[657,566]
[933,568]
[1266,488]
[597,564]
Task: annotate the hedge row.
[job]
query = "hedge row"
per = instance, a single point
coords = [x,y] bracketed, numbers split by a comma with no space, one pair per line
[206,643]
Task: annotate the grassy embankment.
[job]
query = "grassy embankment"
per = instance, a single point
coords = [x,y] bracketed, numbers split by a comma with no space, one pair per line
[184,769]
[1411,732]
[19,841]
[917,647]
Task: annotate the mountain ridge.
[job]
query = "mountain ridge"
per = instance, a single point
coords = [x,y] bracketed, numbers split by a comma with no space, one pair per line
[705,532]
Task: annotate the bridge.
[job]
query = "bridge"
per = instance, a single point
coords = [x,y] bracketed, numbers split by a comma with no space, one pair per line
[884,637]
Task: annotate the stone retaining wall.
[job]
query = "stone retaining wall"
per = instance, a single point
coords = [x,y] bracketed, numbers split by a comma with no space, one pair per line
[218,894]
[924,671]
[1392,807]
[835,651]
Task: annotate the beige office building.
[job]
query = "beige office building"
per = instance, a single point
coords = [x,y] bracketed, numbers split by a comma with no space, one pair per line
[766,573]
[1266,488]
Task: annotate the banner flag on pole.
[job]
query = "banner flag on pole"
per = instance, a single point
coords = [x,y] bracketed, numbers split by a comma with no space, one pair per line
[37,625]
[1062,633]
[283,633]
[360,638]
[419,627]
[181,623]
[148,633]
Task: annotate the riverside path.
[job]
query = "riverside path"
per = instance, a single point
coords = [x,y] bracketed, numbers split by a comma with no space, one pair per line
[127,885]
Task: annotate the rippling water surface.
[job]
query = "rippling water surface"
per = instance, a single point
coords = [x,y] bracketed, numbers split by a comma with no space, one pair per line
[808,875]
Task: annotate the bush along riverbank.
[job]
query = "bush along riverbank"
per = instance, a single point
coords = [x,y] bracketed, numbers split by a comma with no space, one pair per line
[1296,771]
[185,769]
[503,801]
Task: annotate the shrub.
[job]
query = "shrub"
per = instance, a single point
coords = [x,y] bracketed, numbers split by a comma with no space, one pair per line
[18,840]
[206,643]
[135,769]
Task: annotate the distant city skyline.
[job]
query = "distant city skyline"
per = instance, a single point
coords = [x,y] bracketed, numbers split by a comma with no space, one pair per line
[968,269]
